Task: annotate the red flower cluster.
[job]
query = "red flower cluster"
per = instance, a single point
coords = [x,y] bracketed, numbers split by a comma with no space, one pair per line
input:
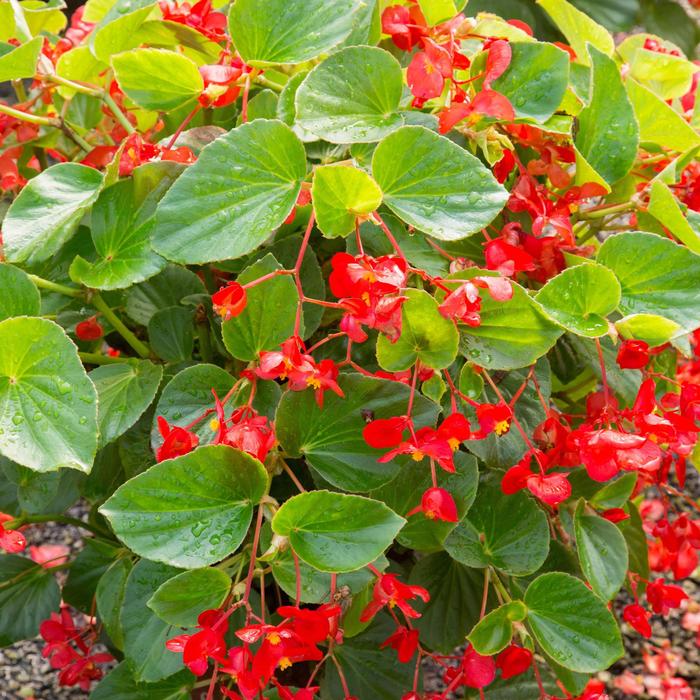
[11,541]
[176,441]
[199,16]
[464,303]
[388,590]
[230,300]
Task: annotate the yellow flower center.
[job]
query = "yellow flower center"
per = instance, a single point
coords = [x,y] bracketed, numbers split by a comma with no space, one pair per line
[214,424]
[284,662]
[501,427]
[454,443]
[274,638]
[315,382]
[417,456]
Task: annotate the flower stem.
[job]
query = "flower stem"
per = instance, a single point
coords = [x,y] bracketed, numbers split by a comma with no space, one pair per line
[53,517]
[139,346]
[118,114]
[31,118]
[55,287]
[95,358]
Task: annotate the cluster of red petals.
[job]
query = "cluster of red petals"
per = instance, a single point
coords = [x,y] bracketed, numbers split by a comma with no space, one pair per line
[633,354]
[220,80]
[299,369]
[464,303]
[437,504]
[388,590]
[69,648]
[369,289]
[11,541]
[76,33]
[89,329]
[176,441]
[404,641]
[477,671]
[200,16]
[230,300]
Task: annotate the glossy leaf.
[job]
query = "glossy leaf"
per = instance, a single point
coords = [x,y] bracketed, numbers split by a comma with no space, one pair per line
[352,97]
[241,188]
[109,597]
[433,184]
[571,623]
[20,296]
[615,493]
[18,62]
[171,333]
[664,207]
[119,684]
[190,511]
[49,406]
[331,439]
[580,297]
[85,572]
[46,212]
[494,632]
[653,329]
[336,532]
[426,336]
[284,32]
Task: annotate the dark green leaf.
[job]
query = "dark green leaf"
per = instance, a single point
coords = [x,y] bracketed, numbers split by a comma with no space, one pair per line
[615,493]
[85,572]
[171,332]
[109,597]
[119,684]
[20,297]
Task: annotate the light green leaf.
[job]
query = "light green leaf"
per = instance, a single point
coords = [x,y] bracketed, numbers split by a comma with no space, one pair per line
[289,32]
[494,632]
[352,97]
[655,330]
[157,79]
[340,195]
[119,29]
[436,11]
[336,532]
[664,207]
[20,296]
[580,297]
[573,626]
[48,406]
[241,188]
[190,511]
[18,62]
[435,185]
[666,75]
[615,493]
[47,211]
[426,336]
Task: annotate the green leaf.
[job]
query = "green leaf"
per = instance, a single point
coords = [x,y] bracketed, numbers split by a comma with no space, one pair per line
[187,396]
[181,599]
[352,97]
[664,207]
[405,491]
[48,406]
[331,438]
[657,276]
[508,532]
[602,552]
[512,333]
[121,222]
[124,392]
[109,597]
[666,75]
[284,32]
[190,511]
[145,633]
[28,595]
[579,29]
[426,336]
[455,601]
[157,79]
[470,383]
[659,123]
[241,188]
[494,632]
[572,624]
[160,292]
[85,572]
[20,296]
[536,79]
[655,330]
[436,11]
[580,297]
[435,185]
[171,333]
[341,193]
[608,133]
[118,30]
[368,671]
[47,211]
[18,62]
[633,532]
[335,532]
[615,493]
[269,316]
[168,34]
[119,684]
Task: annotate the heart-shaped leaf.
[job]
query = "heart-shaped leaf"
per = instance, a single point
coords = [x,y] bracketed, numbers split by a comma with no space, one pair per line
[494,632]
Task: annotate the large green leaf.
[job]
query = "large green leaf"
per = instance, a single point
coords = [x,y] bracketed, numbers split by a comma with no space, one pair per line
[171,333]
[109,597]
[579,29]
[269,316]
[572,624]
[48,406]
[352,97]
[190,511]
[158,79]
[242,186]
[20,296]
[145,633]
[666,75]
[508,532]
[331,438]
[181,599]
[435,185]
[17,62]
[608,133]
[47,211]
[340,194]
[288,32]
[28,595]
[404,493]
[512,333]
[119,684]
[336,532]
[664,207]
[657,276]
[602,552]
[536,79]
[426,336]
[455,600]
[580,297]
[124,392]
[117,29]
[121,223]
